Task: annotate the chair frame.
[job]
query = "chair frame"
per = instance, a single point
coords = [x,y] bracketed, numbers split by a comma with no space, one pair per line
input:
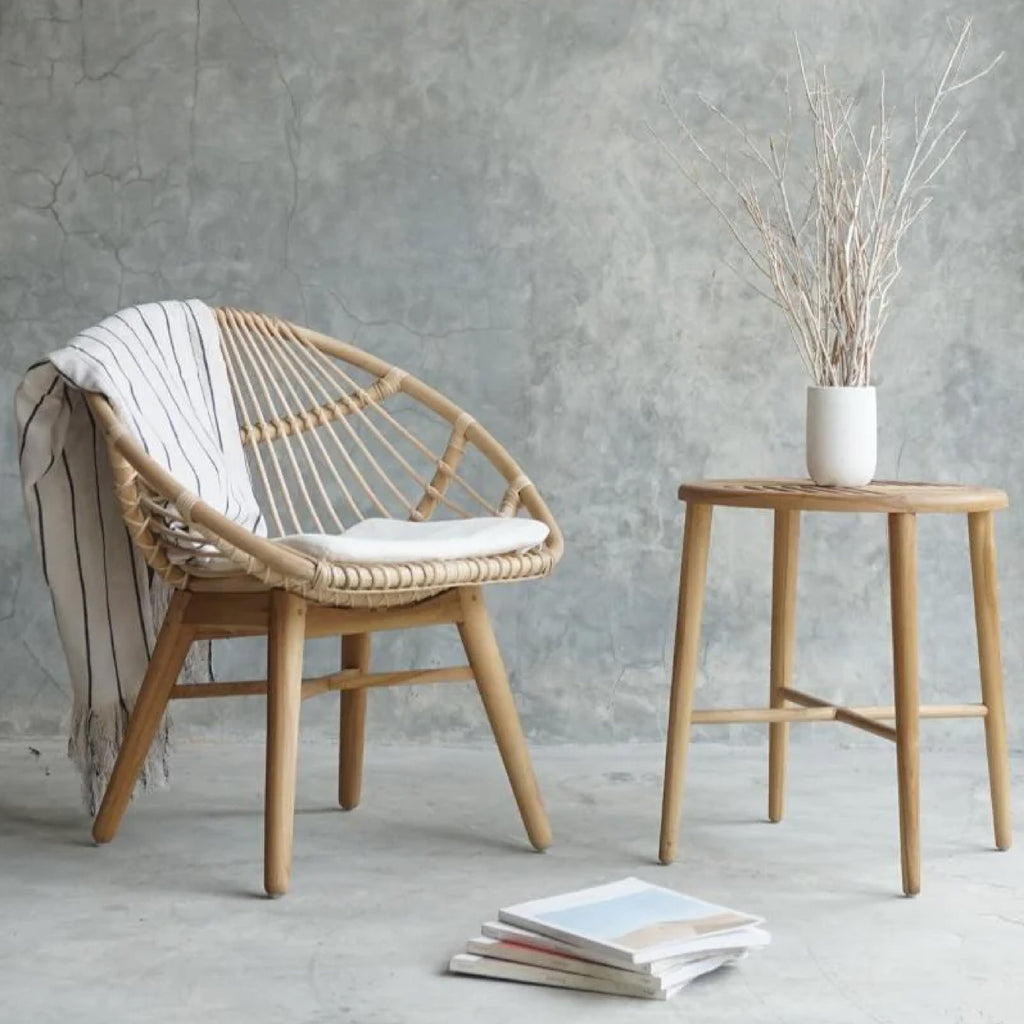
[286,596]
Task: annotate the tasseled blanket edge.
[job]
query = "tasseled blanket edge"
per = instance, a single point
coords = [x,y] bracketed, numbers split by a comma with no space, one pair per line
[96,736]
[97,733]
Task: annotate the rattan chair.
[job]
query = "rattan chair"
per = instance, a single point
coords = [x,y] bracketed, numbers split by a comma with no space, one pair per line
[332,434]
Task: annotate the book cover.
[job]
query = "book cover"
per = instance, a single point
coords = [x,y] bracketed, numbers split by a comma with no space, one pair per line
[633,921]
[639,984]
[731,943]
[629,983]
[504,970]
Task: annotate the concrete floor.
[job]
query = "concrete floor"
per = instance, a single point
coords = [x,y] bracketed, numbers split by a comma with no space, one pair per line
[167,924]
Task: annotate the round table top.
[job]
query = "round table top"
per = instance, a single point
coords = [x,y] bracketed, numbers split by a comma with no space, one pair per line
[878,496]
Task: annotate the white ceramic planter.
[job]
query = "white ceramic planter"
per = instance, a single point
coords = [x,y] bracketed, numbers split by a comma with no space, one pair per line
[842,436]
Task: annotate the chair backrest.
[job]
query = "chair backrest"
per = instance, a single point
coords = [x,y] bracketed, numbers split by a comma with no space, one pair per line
[322,426]
[332,435]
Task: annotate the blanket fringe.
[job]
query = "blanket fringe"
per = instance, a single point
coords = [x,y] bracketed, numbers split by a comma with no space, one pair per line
[95,739]
[97,733]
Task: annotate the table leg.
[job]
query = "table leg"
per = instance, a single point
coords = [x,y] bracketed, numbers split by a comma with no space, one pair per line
[696,536]
[981,530]
[903,588]
[784,570]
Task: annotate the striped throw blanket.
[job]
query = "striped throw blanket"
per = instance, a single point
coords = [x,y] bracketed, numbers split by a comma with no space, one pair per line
[161,368]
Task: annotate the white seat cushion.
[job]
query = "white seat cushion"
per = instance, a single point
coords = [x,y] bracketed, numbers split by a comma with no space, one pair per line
[398,540]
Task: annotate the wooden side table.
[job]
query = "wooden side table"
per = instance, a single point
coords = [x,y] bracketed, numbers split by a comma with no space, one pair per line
[901,502]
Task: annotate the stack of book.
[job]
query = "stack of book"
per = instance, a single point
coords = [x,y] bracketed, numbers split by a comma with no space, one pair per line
[628,938]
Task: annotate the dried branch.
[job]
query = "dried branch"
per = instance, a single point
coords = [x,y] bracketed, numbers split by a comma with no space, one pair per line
[831,270]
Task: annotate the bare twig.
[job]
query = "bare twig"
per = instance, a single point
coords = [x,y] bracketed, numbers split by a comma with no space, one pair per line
[832,269]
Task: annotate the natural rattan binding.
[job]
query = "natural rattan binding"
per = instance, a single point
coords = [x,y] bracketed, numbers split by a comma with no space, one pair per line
[332,435]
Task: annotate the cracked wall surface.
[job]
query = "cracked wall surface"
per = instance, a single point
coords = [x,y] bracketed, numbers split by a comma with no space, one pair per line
[468,190]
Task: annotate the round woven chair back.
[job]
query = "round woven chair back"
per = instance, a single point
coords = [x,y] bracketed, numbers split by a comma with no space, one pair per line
[332,435]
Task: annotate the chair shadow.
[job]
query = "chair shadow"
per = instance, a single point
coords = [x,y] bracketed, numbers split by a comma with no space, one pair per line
[65,829]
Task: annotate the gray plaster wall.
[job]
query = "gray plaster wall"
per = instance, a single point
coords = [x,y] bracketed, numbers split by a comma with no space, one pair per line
[468,190]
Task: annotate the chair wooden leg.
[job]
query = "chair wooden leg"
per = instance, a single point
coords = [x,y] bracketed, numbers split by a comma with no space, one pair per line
[696,537]
[981,529]
[903,587]
[784,570]
[284,699]
[492,683]
[355,653]
[168,656]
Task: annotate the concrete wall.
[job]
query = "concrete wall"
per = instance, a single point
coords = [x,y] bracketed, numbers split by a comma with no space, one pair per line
[467,189]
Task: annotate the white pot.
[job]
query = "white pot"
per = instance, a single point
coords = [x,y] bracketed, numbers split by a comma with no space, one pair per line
[842,436]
